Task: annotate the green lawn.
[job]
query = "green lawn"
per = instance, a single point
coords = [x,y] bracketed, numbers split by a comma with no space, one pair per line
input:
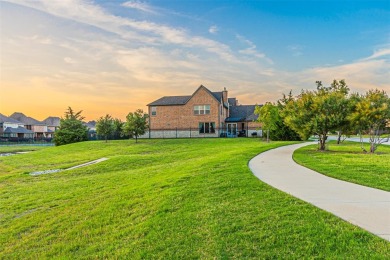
[346,161]
[164,199]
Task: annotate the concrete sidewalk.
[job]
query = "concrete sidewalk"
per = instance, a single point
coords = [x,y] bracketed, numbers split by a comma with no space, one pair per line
[362,206]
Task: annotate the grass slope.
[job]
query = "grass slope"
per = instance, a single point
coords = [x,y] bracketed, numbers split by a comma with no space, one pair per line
[163,199]
[347,162]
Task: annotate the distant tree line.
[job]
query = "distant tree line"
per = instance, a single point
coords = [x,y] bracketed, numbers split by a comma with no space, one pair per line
[72,129]
[326,110]
[136,124]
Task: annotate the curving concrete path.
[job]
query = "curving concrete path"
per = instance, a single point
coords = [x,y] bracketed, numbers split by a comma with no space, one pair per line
[362,206]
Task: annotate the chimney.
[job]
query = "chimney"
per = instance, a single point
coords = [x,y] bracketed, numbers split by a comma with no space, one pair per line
[224,95]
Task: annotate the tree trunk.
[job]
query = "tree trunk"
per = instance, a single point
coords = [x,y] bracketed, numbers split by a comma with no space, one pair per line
[267,135]
[136,140]
[372,148]
[322,141]
[339,137]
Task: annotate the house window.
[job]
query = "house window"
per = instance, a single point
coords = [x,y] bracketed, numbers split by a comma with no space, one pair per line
[202,110]
[154,111]
[206,127]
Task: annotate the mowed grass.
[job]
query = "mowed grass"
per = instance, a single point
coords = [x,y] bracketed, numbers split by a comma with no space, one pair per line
[347,162]
[163,199]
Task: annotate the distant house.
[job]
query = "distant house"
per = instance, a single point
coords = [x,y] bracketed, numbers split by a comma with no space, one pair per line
[52,123]
[40,129]
[204,113]
[12,128]
[91,130]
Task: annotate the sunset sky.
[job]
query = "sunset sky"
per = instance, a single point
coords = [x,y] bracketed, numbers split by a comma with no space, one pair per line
[116,56]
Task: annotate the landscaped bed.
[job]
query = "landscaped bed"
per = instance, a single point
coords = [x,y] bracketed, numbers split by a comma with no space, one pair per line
[348,162]
[183,198]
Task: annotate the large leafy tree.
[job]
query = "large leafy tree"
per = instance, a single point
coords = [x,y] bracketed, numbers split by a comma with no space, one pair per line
[105,126]
[272,121]
[318,112]
[371,114]
[71,129]
[136,124]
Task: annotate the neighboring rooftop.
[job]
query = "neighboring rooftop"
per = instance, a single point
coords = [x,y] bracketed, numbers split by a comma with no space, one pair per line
[19,130]
[25,119]
[52,121]
[6,119]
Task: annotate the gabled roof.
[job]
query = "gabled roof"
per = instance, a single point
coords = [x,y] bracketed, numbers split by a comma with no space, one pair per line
[25,119]
[6,119]
[182,100]
[242,113]
[19,130]
[216,95]
[52,121]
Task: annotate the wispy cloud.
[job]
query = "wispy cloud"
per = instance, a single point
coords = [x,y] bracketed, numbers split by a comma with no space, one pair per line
[295,50]
[213,29]
[141,6]
[251,50]
[380,53]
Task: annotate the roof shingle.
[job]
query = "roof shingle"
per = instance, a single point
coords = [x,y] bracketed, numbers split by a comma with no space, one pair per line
[242,113]
[170,100]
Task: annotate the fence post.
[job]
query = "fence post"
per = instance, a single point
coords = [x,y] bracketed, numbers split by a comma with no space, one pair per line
[176,132]
[190,132]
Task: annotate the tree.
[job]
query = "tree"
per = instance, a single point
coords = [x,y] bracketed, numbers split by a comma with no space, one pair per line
[71,129]
[318,112]
[271,119]
[118,125]
[136,124]
[105,126]
[372,114]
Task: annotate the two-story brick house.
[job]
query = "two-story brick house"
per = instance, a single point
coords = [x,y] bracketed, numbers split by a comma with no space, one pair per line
[202,114]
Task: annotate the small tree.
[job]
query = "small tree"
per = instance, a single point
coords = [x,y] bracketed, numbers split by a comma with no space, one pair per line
[372,114]
[271,119]
[136,124]
[71,129]
[118,125]
[105,126]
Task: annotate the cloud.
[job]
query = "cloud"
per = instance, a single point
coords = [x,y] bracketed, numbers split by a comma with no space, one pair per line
[141,6]
[143,32]
[296,50]
[69,60]
[251,50]
[79,47]
[213,29]
[379,53]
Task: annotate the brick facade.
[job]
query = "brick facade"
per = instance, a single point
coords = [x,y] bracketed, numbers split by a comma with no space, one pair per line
[183,117]
[174,117]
